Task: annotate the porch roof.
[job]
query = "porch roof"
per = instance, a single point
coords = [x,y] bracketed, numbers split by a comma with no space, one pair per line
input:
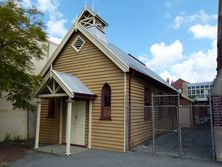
[70,84]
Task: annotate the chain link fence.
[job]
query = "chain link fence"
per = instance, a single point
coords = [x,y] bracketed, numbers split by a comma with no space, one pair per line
[173,129]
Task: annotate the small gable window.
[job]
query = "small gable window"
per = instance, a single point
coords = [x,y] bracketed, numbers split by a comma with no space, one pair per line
[106,102]
[51,108]
[78,43]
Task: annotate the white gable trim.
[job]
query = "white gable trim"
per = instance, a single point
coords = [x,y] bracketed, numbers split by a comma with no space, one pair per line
[57,51]
[123,66]
[63,85]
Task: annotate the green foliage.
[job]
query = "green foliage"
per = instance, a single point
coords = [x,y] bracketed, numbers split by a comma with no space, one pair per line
[22,38]
[9,139]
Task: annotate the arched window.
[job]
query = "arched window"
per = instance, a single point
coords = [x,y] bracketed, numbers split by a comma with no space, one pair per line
[106,102]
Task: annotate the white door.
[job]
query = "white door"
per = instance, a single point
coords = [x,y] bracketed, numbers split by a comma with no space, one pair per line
[185,116]
[78,123]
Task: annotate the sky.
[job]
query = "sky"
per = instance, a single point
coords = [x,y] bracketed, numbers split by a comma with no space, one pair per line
[174,38]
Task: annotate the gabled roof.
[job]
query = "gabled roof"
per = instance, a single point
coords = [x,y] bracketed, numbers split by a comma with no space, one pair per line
[128,59]
[70,84]
[123,60]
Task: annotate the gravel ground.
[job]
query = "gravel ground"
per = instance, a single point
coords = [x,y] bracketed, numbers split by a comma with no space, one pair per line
[12,152]
[98,158]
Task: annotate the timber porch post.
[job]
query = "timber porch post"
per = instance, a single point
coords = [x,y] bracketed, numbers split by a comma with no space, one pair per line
[37,124]
[68,126]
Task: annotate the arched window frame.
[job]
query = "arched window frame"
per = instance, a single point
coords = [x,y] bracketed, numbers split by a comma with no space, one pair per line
[106,99]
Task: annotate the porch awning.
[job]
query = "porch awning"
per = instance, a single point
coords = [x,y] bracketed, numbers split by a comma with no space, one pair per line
[63,84]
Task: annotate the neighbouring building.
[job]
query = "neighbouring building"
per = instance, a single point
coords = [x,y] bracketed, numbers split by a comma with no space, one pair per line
[199,92]
[180,85]
[18,123]
[217,91]
[90,86]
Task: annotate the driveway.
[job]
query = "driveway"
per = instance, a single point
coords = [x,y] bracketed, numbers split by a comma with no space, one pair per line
[98,158]
[196,144]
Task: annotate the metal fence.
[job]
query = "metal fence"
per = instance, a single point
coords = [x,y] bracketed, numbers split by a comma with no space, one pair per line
[175,129]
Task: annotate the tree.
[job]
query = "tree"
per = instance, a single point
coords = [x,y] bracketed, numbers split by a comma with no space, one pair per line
[22,38]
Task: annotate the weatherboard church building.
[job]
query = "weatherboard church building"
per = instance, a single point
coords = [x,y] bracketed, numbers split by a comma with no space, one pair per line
[89,86]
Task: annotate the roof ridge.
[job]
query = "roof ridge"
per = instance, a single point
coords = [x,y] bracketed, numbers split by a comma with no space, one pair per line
[136,59]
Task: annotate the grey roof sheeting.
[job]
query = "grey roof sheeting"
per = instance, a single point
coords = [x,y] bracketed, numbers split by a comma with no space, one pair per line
[126,58]
[72,83]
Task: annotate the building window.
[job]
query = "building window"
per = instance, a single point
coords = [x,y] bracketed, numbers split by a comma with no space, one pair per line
[147,104]
[106,102]
[189,92]
[51,108]
[78,44]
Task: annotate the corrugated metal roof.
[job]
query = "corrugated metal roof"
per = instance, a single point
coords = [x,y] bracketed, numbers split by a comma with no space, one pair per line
[126,58]
[72,83]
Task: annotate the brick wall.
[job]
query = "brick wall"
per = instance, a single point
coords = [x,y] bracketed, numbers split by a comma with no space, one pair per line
[217,110]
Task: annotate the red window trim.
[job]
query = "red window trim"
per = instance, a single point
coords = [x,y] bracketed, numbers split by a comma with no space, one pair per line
[102,116]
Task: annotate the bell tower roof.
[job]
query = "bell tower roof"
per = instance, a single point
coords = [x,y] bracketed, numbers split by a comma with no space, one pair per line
[89,17]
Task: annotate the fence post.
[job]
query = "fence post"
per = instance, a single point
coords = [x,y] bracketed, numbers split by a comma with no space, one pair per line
[153,126]
[179,128]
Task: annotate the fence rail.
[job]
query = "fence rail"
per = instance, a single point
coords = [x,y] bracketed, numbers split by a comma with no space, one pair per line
[174,129]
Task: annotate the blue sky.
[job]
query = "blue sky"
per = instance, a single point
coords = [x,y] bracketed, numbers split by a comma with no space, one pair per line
[175,38]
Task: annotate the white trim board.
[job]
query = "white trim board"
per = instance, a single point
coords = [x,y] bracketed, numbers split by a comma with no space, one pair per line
[76,26]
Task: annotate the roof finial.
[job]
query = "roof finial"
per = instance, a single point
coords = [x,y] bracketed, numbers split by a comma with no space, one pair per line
[85,4]
[93,5]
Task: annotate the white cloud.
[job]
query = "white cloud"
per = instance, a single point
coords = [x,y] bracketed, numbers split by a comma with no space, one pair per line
[55,39]
[164,55]
[169,4]
[47,5]
[26,3]
[178,21]
[203,31]
[200,17]
[56,23]
[166,75]
[57,27]
[197,67]
[200,66]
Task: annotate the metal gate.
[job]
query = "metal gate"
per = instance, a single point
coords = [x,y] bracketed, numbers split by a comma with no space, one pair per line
[178,130]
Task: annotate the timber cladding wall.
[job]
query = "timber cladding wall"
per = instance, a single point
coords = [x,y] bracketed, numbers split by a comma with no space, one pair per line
[141,129]
[94,69]
[49,127]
